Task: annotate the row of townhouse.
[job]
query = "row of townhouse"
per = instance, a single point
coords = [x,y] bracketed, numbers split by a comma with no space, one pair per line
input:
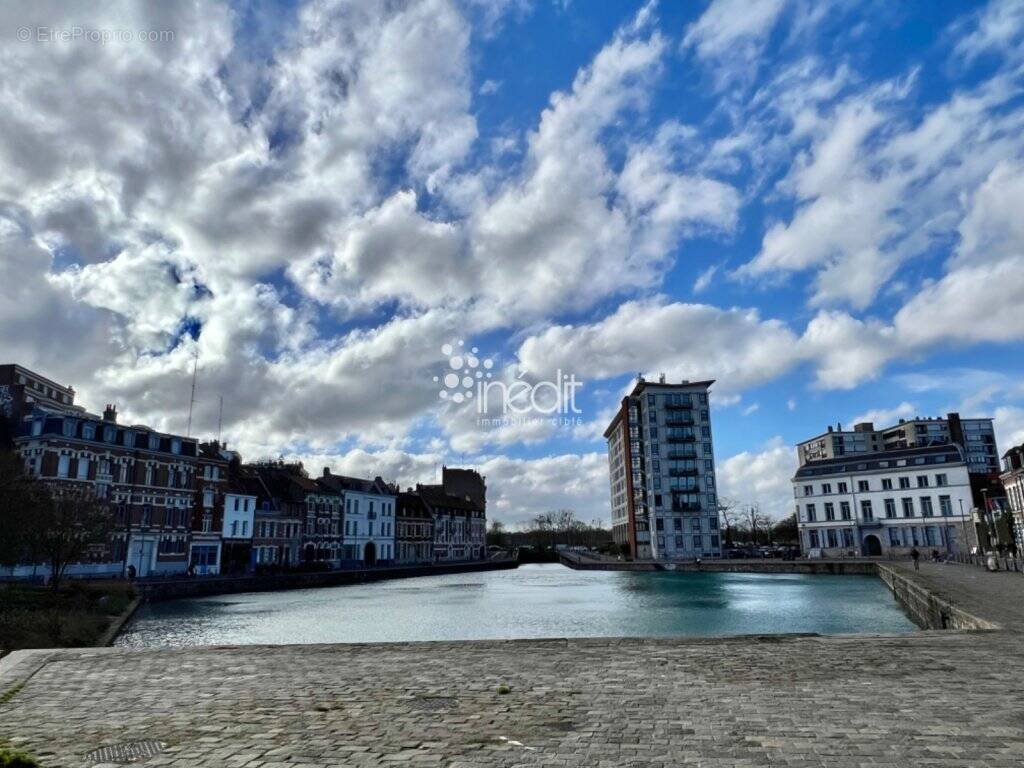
[924,483]
[178,505]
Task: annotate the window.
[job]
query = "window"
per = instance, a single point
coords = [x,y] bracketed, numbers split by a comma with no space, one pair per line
[847,537]
[810,513]
[904,482]
[831,535]
[826,488]
[894,537]
[808,490]
[842,488]
[890,508]
[945,506]
[830,511]
[922,481]
[908,507]
[659,524]
[677,524]
[698,542]
[886,483]
[865,510]
[812,538]
[941,481]
[679,542]
[926,506]
[844,508]
[63,466]
[83,469]
[863,486]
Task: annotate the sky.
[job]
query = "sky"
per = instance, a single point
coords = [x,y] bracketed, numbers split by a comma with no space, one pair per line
[318,205]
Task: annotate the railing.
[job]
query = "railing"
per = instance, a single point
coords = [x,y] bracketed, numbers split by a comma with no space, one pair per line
[678,406]
[682,454]
[683,472]
[1002,562]
[681,439]
[679,422]
[686,507]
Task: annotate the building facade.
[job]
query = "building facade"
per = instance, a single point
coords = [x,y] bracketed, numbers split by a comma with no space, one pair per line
[414,530]
[662,471]
[21,390]
[147,479]
[887,502]
[1012,479]
[976,438]
[369,511]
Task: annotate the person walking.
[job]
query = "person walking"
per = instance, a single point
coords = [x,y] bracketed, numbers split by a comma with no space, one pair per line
[916,556]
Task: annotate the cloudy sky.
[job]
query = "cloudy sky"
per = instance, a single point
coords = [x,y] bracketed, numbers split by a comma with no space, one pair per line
[819,204]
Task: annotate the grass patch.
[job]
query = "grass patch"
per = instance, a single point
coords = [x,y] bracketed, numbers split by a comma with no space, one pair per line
[77,615]
[15,758]
[10,693]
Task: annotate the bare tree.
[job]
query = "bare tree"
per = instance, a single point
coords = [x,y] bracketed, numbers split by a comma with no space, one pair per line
[728,516]
[19,498]
[64,524]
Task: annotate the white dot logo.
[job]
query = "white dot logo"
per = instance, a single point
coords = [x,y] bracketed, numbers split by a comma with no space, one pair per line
[464,365]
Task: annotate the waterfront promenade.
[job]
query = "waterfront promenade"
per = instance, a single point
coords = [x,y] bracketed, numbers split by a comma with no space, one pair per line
[939,698]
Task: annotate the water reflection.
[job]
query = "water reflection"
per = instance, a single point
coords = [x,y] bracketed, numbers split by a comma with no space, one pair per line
[532,601]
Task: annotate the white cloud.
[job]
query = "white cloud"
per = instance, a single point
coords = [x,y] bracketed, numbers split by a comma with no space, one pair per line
[732,33]
[735,346]
[751,409]
[1009,425]
[762,476]
[884,417]
[704,279]
[996,28]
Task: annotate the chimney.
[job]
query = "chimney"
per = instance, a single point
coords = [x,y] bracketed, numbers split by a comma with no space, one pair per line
[110,413]
[327,471]
[661,378]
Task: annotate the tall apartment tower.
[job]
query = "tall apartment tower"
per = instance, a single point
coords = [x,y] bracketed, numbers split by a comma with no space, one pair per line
[662,470]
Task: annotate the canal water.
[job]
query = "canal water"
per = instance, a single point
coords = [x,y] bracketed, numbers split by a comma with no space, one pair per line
[530,601]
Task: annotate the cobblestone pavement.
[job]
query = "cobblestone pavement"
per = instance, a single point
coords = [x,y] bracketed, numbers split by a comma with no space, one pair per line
[997,596]
[921,699]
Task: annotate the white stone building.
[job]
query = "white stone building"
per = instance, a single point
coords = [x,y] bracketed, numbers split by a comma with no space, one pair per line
[1013,482]
[368,530]
[885,503]
[662,470]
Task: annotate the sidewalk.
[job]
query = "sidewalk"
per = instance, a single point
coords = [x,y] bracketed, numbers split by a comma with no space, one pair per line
[996,596]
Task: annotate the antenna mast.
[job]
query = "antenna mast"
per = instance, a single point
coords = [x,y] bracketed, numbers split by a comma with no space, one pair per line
[220,419]
[192,399]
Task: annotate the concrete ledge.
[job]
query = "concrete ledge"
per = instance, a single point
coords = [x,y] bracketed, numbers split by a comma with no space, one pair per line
[929,609]
[107,638]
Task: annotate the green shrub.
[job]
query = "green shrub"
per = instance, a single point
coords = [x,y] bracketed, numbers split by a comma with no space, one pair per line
[14,758]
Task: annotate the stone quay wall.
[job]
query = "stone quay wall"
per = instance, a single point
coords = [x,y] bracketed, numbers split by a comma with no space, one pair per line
[928,609]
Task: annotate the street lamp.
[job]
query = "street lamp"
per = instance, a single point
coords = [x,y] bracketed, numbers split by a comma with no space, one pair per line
[963,525]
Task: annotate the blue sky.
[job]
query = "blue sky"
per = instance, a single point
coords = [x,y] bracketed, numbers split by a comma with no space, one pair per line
[817,204]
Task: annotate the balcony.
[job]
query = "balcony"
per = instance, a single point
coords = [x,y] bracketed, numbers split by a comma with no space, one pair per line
[870,524]
[685,506]
[679,422]
[691,454]
[677,472]
[681,439]
[678,406]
